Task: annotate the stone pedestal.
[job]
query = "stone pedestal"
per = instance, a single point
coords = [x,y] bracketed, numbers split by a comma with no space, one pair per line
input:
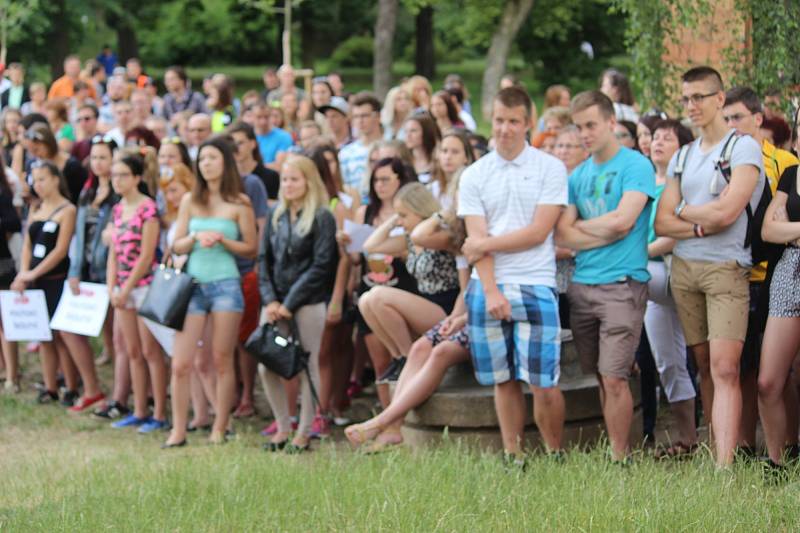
[464,410]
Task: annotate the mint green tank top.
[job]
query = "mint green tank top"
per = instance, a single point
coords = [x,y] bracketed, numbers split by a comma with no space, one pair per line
[215,263]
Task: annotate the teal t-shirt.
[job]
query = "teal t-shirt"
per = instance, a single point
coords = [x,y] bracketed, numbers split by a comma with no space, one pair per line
[651,235]
[596,189]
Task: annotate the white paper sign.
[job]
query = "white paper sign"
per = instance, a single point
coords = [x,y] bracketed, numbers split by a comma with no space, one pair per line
[397,231]
[359,233]
[25,316]
[84,313]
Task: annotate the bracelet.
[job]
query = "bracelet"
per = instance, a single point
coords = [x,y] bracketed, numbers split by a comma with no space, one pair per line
[698,231]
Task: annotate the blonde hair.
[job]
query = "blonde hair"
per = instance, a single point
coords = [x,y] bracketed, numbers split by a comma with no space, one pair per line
[418,199]
[179,173]
[316,194]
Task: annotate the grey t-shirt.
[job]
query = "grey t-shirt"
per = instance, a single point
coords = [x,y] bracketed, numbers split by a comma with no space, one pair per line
[696,181]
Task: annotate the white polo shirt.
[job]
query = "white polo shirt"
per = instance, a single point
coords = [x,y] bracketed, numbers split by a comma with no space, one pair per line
[507,194]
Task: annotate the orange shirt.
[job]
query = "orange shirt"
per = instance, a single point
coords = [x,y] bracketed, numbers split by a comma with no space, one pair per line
[63,88]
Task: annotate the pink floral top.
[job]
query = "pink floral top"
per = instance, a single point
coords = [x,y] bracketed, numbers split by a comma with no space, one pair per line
[127,240]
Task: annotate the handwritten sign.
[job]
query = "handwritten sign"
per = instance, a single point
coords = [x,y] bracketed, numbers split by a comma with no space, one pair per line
[25,316]
[83,313]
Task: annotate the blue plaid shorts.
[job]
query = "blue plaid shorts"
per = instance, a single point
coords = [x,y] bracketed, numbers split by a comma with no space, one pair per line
[527,347]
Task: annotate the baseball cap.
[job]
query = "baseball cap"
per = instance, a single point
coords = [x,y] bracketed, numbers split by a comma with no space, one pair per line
[337,104]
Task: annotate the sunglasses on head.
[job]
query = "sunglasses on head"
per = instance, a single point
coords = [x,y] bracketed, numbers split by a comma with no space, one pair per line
[34,135]
[172,140]
[104,139]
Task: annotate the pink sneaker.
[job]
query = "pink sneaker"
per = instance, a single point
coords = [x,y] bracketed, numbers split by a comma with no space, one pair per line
[320,427]
[273,428]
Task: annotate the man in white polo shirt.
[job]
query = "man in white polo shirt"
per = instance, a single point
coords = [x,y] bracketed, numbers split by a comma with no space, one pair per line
[510,201]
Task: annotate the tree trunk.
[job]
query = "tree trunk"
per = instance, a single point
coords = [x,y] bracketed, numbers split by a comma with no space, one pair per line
[308,29]
[127,43]
[384,40]
[424,59]
[59,38]
[514,14]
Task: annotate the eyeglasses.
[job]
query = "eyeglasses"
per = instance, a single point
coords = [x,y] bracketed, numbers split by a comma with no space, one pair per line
[567,146]
[736,117]
[363,115]
[696,99]
[198,130]
[86,118]
[382,181]
[319,79]
[623,135]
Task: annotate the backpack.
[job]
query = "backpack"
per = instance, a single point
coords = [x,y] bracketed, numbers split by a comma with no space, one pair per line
[759,249]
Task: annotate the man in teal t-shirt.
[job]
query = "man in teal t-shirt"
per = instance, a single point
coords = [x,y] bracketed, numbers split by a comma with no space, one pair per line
[607,222]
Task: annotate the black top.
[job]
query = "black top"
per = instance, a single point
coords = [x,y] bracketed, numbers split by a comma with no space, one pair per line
[44,236]
[271,179]
[9,223]
[788,184]
[298,270]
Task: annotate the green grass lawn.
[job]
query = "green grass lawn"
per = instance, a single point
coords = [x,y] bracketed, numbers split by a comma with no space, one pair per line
[71,473]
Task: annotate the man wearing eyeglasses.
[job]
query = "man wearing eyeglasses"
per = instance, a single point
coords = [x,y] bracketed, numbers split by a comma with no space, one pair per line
[87,128]
[743,111]
[353,161]
[704,207]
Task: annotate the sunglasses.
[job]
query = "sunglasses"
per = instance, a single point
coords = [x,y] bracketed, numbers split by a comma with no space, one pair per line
[104,139]
[172,140]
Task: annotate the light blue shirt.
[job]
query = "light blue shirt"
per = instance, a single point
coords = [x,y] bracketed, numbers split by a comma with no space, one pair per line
[277,140]
[596,189]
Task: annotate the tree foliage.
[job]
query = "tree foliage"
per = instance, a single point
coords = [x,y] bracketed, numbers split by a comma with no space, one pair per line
[765,57]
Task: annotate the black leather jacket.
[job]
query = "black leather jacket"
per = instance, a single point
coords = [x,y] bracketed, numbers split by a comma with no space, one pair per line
[298,270]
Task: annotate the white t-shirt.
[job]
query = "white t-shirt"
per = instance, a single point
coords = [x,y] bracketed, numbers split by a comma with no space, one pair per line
[507,194]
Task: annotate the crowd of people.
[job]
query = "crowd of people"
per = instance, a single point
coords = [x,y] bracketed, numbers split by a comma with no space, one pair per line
[667,245]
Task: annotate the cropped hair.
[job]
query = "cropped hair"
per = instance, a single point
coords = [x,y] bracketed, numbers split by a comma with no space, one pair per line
[683,133]
[703,73]
[367,98]
[515,96]
[745,96]
[586,99]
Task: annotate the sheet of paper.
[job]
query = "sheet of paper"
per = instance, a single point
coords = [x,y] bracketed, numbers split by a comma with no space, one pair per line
[346,199]
[84,313]
[397,231]
[359,233]
[25,316]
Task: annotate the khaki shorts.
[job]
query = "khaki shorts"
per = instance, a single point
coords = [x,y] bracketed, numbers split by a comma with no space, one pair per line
[606,322]
[713,299]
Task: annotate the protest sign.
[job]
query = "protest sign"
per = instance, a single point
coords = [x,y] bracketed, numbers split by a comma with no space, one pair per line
[83,313]
[25,316]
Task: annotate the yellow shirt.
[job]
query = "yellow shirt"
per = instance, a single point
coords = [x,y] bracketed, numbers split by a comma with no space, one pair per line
[775,162]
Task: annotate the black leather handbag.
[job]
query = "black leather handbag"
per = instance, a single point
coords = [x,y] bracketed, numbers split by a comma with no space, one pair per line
[280,352]
[168,297]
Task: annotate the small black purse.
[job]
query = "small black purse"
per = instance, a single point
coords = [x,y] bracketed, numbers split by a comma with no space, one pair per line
[168,297]
[279,352]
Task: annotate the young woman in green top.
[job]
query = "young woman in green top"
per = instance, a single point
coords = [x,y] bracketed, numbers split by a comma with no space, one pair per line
[214,223]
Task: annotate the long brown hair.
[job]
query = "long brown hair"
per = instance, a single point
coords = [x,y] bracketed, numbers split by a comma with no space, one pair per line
[231,186]
[333,183]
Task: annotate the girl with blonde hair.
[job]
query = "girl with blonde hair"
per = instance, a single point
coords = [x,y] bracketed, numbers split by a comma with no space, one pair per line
[297,264]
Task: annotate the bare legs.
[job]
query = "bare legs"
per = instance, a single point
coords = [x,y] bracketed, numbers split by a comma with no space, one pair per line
[225,328]
[617,412]
[781,341]
[81,354]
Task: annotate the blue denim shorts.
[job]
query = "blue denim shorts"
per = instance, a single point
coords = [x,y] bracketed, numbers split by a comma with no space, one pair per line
[217,296]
